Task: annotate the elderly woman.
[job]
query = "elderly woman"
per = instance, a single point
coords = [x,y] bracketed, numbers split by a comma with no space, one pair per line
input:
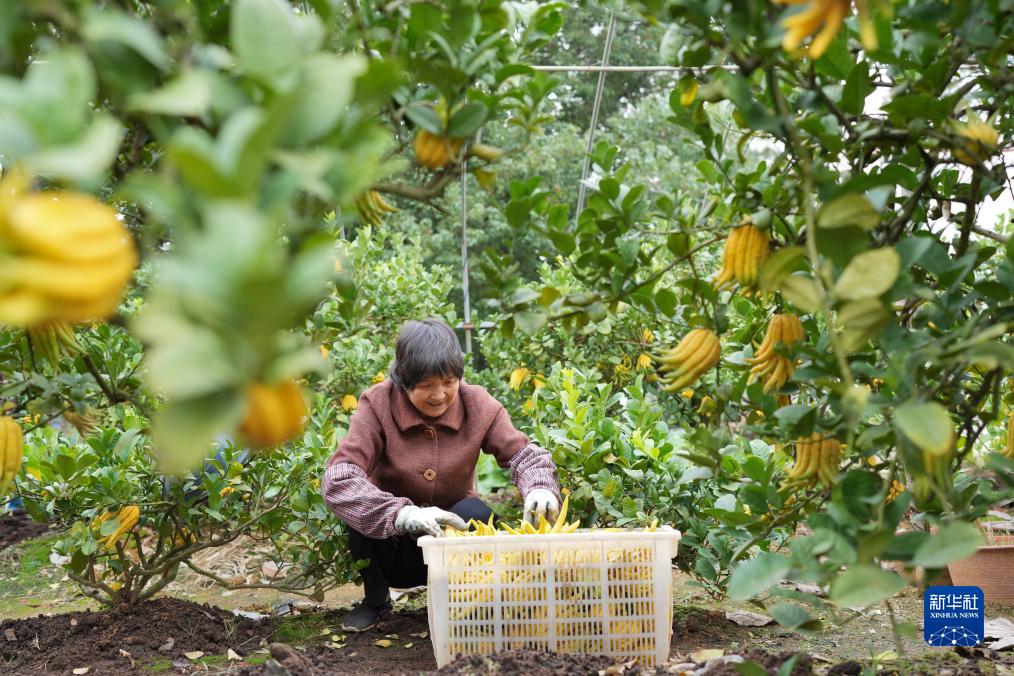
[407,466]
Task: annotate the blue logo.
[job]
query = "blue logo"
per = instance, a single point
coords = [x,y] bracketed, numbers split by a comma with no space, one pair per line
[953,616]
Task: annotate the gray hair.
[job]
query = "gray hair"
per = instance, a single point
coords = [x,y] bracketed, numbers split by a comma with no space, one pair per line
[425,348]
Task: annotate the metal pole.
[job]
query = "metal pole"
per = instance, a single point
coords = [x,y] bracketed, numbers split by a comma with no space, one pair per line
[595,114]
[464,262]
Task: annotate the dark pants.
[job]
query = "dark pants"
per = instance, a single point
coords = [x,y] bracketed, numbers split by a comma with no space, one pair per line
[398,560]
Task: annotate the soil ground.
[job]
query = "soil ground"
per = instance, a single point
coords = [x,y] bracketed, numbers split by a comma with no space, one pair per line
[16,526]
[53,634]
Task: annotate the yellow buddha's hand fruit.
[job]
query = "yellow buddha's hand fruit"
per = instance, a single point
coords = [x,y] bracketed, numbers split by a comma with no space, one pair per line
[773,368]
[12,443]
[745,250]
[435,152]
[274,413]
[66,256]
[127,516]
[977,142]
[689,360]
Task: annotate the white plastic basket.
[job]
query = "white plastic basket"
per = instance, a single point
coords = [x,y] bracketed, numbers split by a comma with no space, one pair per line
[588,592]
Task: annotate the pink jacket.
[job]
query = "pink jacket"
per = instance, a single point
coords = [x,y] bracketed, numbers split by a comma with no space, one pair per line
[394,456]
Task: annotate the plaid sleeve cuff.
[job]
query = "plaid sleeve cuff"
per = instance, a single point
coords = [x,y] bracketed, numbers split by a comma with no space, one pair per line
[364,507]
[533,467]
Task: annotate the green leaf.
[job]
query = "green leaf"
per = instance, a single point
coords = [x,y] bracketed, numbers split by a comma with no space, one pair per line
[192,153]
[86,160]
[467,121]
[756,575]
[953,542]
[750,668]
[864,585]
[57,93]
[672,40]
[858,86]
[189,95]
[779,266]
[530,321]
[111,25]
[266,41]
[426,118]
[927,425]
[324,95]
[793,616]
[860,321]
[849,209]
[666,302]
[803,292]
[789,417]
[869,275]
[184,429]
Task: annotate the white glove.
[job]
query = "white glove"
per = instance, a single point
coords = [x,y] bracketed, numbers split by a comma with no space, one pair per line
[426,521]
[540,502]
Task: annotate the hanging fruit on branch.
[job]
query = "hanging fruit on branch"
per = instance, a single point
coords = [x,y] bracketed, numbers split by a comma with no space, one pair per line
[371,207]
[435,152]
[693,357]
[745,250]
[53,340]
[817,458]
[274,413]
[773,368]
[66,256]
[12,442]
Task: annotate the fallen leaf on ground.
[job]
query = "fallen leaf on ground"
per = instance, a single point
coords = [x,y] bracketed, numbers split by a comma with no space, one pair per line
[745,618]
[233,655]
[168,645]
[394,636]
[706,654]
[383,643]
[1002,630]
[10,635]
[81,670]
[421,634]
[408,645]
[194,654]
[886,656]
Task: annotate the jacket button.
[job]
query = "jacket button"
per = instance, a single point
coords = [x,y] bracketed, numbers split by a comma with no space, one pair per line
[430,433]
[429,475]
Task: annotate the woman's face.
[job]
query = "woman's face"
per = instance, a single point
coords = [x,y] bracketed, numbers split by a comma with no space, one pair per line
[434,395]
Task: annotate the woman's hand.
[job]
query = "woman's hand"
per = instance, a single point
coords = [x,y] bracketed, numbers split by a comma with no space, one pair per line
[426,521]
[540,502]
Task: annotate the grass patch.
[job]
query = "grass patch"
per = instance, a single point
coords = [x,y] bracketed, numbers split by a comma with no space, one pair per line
[26,559]
[307,630]
[303,629]
[24,586]
[160,664]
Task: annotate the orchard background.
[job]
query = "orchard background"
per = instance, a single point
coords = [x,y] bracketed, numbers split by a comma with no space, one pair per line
[277,186]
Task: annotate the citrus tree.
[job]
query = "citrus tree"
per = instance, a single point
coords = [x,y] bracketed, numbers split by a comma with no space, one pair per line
[858,312]
[184,334]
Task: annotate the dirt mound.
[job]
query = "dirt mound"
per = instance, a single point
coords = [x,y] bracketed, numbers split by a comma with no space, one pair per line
[533,663]
[406,634]
[772,663]
[160,629]
[18,526]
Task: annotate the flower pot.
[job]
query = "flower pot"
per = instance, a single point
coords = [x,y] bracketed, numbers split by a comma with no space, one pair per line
[991,569]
